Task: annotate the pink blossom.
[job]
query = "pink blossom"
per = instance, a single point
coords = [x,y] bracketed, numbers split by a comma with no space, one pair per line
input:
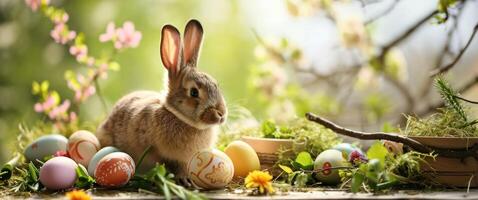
[73,116]
[110,33]
[60,111]
[128,37]
[38,107]
[61,34]
[35,4]
[78,50]
[122,37]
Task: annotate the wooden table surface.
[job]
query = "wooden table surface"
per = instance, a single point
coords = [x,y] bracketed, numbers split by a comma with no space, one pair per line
[313,194]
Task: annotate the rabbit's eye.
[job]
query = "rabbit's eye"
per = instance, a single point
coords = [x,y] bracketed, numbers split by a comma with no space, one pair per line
[194,92]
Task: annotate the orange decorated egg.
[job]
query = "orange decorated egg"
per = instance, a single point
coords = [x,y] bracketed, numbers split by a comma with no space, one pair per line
[210,169]
[114,170]
[82,146]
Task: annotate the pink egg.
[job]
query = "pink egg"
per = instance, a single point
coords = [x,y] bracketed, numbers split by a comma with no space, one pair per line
[58,173]
[114,170]
[82,146]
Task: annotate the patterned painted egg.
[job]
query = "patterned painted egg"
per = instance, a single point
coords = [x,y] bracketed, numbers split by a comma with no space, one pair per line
[210,169]
[45,146]
[58,173]
[325,164]
[82,145]
[98,156]
[114,170]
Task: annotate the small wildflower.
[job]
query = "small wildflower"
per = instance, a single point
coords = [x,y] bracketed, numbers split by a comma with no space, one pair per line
[259,180]
[35,4]
[61,34]
[78,195]
[110,33]
[122,37]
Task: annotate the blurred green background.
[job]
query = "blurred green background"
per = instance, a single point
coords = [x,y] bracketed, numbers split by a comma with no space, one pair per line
[277,59]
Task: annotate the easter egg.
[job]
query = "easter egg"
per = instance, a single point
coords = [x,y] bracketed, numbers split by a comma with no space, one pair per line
[325,161]
[345,148]
[210,169]
[243,157]
[82,145]
[58,173]
[97,157]
[45,146]
[114,170]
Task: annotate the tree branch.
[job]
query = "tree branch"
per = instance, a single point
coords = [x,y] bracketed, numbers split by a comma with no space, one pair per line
[415,145]
[381,14]
[460,54]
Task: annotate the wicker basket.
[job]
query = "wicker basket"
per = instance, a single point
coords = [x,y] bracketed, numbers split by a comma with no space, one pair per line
[267,148]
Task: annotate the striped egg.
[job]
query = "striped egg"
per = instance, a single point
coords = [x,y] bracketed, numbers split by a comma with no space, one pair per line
[114,170]
[210,169]
[82,146]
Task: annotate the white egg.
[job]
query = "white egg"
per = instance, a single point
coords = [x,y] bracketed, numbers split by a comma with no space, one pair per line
[210,169]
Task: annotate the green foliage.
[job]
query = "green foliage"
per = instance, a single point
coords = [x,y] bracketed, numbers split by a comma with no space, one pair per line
[377,151]
[84,180]
[450,121]
[160,180]
[377,106]
[384,171]
[443,6]
[303,161]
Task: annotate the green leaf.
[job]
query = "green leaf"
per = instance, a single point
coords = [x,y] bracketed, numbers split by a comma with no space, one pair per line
[286,169]
[268,128]
[357,180]
[33,172]
[35,87]
[44,86]
[301,179]
[84,180]
[304,159]
[378,151]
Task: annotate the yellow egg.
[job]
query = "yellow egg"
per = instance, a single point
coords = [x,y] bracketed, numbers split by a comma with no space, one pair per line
[210,169]
[82,145]
[243,157]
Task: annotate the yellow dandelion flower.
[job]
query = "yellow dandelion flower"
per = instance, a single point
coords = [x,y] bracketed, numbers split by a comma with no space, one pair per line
[260,180]
[78,195]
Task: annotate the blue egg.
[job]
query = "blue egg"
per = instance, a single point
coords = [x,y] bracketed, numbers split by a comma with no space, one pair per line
[98,156]
[45,146]
[346,149]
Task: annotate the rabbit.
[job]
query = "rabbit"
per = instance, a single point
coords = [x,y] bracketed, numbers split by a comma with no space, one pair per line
[178,122]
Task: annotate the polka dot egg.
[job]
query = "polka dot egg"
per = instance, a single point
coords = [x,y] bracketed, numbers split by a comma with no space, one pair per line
[114,170]
[210,169]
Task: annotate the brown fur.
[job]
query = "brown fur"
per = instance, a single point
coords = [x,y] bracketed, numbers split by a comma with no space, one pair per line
[177,125]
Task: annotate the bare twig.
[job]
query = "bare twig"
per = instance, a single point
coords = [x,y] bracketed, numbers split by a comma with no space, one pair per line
[369,136]
[383,13]
[408,32]
[460,54]
[415,145]
[467,100]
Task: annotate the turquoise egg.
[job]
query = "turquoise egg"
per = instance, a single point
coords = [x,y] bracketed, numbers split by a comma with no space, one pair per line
[98,156]
[45,146]
[346,149]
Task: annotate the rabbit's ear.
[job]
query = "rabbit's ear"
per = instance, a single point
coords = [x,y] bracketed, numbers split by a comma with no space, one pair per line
[170,49]
[192,42]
